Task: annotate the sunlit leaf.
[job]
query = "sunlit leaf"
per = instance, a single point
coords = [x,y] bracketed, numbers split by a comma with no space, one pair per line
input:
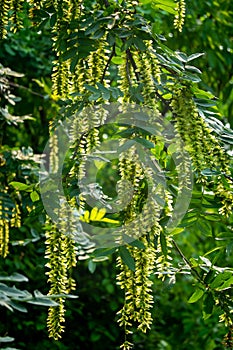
[196,296]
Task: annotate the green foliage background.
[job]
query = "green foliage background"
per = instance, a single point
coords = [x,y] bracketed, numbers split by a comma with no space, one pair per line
[91,318]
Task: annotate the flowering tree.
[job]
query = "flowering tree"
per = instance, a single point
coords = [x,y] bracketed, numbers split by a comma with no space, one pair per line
[128,113]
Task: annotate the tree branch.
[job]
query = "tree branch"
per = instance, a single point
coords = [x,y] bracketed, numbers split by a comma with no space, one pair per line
[131,59]
[26,88]
[113,53]
[195,272]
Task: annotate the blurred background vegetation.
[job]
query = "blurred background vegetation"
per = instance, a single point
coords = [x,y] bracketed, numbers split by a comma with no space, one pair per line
[90,318]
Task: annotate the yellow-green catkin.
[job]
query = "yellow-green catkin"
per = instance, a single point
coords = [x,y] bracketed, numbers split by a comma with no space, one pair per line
[137,284]
[9,217]
[147,67]
[67,227]
[96,62]
[148,72]
[180,14]
[62,78]
[16,16]
[144,268]
[4,234]
[16,217]
[131,4]
[60,252]
[5,6]
[137,287]
[85,129]
[61,255]
[204,148]
[197,136]
[126,80]
[53,155]
[55,253]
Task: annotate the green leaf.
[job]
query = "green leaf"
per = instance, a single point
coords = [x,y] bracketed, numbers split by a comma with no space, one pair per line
[15,277]
[73,64]
[172,148]
[209,277]
[220,279]
[127,258]
[226,285]
[138,244]
[205,103]
[43,302]
[93,28]
[191,77]
[216,249]
[13,291]
[134,243]
[98,34]
[196,296]
[91,88]
[212,217]
[103,252]
[195,55]
[208,304]
[20,186]
[148,144]
[176,231]
[189,219]
[17,306]
[193,69]
[139,44]
[69,53]
[181,56]
[91,266]
[34,196]
[94,96]
[163,243]
[6,339]
[100,259]
[166,5]
[105,92]
[126,145]
[117,60]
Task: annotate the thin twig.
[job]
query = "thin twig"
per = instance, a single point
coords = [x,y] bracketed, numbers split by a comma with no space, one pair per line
[113,53]
[128,71]
[130,56]
[26,88]
[195,272]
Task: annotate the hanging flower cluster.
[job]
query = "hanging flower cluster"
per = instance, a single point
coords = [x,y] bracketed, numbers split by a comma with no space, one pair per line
[203,146]
[137,289]
[61,253]
[180,15]
[13,17]
[136,283]
[4,232]
[10,216]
